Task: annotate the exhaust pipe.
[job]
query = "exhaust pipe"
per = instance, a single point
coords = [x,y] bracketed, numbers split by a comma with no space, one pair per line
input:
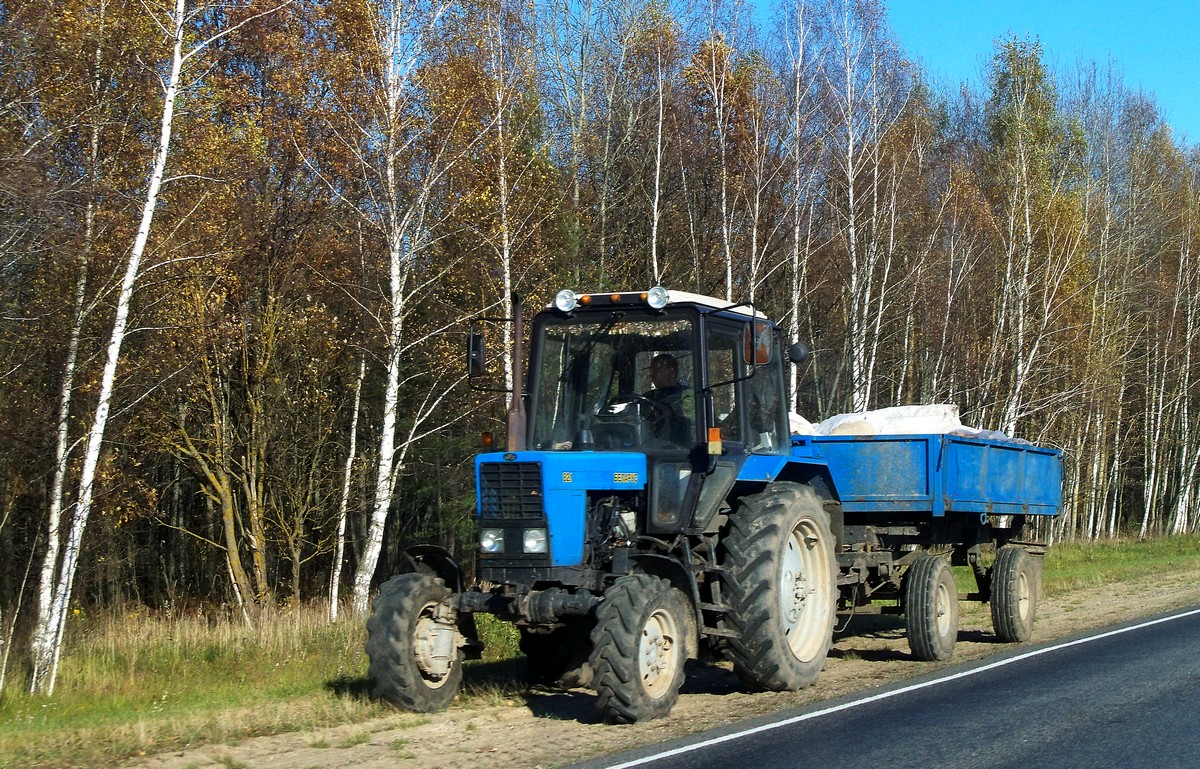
[516,406]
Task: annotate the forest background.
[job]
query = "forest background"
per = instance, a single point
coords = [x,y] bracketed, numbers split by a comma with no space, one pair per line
[241,244]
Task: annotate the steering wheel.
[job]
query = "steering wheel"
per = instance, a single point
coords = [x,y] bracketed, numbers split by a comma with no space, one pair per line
[620,402]
[649,408]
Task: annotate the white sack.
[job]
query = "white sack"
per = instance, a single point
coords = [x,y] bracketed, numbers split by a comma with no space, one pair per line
[898,420]
[799,425]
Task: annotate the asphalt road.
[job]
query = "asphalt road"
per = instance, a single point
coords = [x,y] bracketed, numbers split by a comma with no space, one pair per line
[1124,698]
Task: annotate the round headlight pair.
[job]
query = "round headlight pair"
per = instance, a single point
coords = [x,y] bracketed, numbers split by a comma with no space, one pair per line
[532,540]
[567,300]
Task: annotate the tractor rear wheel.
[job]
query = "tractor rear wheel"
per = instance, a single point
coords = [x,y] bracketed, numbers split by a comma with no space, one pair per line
[781,580]
[416,661]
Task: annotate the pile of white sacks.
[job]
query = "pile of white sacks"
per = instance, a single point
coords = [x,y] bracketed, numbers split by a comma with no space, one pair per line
[933,419]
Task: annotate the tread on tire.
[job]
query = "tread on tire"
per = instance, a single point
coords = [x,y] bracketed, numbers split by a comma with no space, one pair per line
[782,583]
[931,609]
[401,616]
[639,649]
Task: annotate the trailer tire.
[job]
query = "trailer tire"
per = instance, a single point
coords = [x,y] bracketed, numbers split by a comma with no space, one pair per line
[931,609]
[1015,588]
[781,580]
[560,656]
[638,649]
[406,642]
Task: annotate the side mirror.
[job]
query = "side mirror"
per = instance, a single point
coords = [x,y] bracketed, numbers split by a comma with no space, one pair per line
[757,343]
[799,353]
[476,355]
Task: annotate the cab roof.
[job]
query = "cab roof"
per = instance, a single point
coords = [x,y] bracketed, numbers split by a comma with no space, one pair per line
[601,299]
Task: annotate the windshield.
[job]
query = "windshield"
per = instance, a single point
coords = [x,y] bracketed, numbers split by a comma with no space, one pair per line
[612,382]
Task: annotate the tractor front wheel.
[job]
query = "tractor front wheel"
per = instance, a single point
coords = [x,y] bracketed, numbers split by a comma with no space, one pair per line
[638,649]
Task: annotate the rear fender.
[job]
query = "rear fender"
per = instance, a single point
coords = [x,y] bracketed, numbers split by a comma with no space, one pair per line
[762,470]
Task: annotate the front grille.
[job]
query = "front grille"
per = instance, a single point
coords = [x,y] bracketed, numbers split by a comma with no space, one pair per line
[510,490]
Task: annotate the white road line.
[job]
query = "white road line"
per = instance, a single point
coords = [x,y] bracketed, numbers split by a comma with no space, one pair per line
[893,693]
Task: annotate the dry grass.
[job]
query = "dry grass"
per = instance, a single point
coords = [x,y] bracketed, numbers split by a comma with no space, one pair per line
[138,682]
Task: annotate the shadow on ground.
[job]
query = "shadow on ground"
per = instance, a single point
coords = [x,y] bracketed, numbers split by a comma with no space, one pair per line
[509,679]
[579,704]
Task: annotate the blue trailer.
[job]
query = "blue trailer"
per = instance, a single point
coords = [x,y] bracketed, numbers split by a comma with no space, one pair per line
[651,506]
[897,476]
[907,499]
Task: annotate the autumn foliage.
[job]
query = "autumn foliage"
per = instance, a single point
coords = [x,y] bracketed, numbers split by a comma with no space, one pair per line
[351,183]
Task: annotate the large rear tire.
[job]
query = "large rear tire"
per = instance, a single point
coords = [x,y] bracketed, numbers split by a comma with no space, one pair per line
[1015,587]
[412,642]
[781,580]
[638,649]
[931,609]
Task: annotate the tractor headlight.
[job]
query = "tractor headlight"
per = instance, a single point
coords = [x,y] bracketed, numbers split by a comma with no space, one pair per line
[658,297]
[535,540]
[491,540]
[565,300]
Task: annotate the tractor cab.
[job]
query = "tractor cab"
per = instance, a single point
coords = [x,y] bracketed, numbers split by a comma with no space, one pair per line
[623,372]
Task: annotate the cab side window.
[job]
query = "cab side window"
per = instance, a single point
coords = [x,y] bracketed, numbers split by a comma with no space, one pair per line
[724,357]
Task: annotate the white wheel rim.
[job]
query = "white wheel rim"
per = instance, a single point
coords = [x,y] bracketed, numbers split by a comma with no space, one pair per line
[805,594]
[1023,594]
[425,648]
[658,653]
[942,606]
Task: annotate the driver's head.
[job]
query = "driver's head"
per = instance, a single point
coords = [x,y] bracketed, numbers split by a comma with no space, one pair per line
[664,370]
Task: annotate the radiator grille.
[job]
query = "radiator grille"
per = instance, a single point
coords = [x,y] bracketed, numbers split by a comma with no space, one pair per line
[510,490]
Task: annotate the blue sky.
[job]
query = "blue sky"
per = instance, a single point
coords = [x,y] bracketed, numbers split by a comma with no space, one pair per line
[1155,43]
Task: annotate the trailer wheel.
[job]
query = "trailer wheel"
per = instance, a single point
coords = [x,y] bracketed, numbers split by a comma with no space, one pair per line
[639,649]
[782,584]
[1014,594]
[931,609]
[560,656]
[416,661]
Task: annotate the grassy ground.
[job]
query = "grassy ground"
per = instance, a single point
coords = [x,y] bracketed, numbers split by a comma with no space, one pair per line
[140,683]
[136,684]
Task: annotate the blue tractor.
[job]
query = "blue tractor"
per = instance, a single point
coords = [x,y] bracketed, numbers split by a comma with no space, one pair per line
[652,506]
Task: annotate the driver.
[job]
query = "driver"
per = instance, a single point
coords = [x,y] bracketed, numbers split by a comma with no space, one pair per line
[674,403]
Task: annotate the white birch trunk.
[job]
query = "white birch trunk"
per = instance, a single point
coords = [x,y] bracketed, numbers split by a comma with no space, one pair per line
[48,645]
[339,552]
[402,229]
[655,272]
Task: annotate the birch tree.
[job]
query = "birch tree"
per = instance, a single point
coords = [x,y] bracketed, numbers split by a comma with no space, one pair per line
[803,150]
[403,173]
[1037,223]
[868,92]
[174,21]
